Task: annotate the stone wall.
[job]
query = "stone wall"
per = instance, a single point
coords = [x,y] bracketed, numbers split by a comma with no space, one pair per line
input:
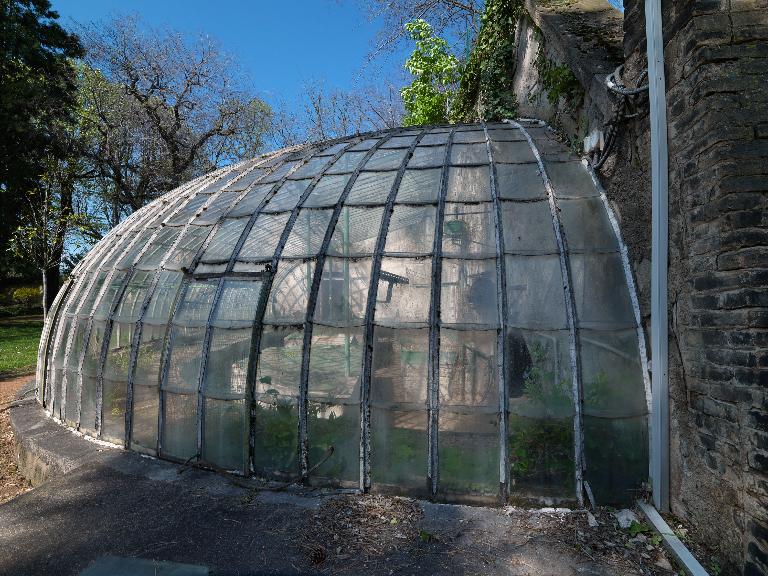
[716,55]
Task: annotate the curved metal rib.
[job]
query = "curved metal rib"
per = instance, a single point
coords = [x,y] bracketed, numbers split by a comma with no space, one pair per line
[41,374]
[570,309]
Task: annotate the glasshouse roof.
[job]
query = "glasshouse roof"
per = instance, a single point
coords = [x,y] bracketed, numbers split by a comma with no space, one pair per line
[444,311]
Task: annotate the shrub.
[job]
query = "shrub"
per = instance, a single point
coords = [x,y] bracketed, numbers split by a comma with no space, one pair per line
[27,296]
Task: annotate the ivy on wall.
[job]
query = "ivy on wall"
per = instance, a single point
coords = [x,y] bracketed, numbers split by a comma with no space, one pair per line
[485,89]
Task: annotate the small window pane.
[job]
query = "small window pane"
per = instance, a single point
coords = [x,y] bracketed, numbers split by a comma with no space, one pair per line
[411,230]
[226,434]
[465,136]
[158,248]
[535,297]
[184,361]
[159,308]
[469,154]
[335,362]
[505,134]
[520,182]
[262,240]
[313,167]
[400,362]
[586,225]
[108,299]
[427,157]
[227,366]
[469,230]
[468,374]
[308,232]
[528,228]
[512,152]
[213,211]
[365,144]
[356,232]
[246,180]
[600,291]
[386,159]
[327,191]
[180,426]
[399,142]
[238,301]
[282,172]
[570,180]
[185,250]
[371,188]
[343,293]
[434,138]
[469,292]
[420,186]
[287,301]
[144,418]
[251,201]
[404,291]
[348,162]
[197,303]
[468,185]
[287,197]
[224,240]
[129,308]
[468,452]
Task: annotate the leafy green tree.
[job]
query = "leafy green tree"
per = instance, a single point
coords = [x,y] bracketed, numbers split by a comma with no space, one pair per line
[38,91]
[435,73]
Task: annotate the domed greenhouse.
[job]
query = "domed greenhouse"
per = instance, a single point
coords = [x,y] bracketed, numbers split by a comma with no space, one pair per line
[444,311]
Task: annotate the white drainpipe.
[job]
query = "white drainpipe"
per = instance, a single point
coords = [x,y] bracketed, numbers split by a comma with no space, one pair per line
[659,453]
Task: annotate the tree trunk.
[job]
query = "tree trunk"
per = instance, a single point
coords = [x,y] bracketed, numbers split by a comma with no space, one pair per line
[51,284]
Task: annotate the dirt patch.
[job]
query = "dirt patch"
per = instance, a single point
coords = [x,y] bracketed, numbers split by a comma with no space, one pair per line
[12,483]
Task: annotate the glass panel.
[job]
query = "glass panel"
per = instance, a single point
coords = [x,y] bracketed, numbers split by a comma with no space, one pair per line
[434,138]
[399,142]
[108,299]
[520,182]
[184,252]
[225,443]
[88,408]
[427,156]
[386,159]
[130,304]
[334,427]
[227,366]
[144,417]
[287,197]
[404,291]
[147,370]
[346,163]
[469,230]
[216,209]
[119,351]
[356,232]
[238,301]
[505,133]
[420,186]
[468,184]
[469,154]
[312,168]
[468,374]
[512,152]
[343,293]
[468,452]
[600,291]
[159,247]
[327,191]
[468,294]
[365,144]
[131,251]
[308,232]
[159,308]
[246,180]
[189,210]
[113,415]
[411,230]
[535,294]
[287,301]
[180,426]
[197,303]
[570,180]
[586,225]
[281,172]
[264,237]
[184,361]
[371,188]
[224,240]
[465,136]
[251,201]
[528,228]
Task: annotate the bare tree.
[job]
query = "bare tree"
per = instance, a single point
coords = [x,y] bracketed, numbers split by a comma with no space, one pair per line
[165,108]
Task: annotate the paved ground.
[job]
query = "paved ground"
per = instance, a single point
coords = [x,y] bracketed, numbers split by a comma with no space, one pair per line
[121,504]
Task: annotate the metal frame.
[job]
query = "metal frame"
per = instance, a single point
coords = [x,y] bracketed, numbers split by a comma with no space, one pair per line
[41,374]
[659,255]
[573,331]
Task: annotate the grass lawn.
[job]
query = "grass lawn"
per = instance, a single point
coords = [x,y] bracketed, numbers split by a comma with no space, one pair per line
[18,344]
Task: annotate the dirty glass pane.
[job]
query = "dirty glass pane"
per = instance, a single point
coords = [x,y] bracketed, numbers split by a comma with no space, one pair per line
[147,371]
[371,188]
[159,247]
[399,142]
[469,154]
[465,136]
[365,144]
[468,451]
[520,182]
[600,291]
[307,233]
[420,186]
[427,157]
[264,237]
[528,228]
[144,419]
[356,232]
[505,133]
[586,225]
[251,201]
[287,197]
[434,138]
[247,179]
[512,152]
[281,172]
[411,230]
[227,366]
[333,149]
[469,230]
[468,184]
[161,302]
[113,415]
[287,301]
[216,209]
[184,362]
[535,297]
[570,180]
[343,293]
[107,300]
[224,239]
[196,304]
[313,167]
[184,252]
[334,439]
[225,442]
[189,210]
[180,426]
[399,449]
[238,302]
[468,292]
[326,192]
[404,291]
[346,163]
[399,378]
[119,351]
[386,159]
[468,374]
[129,308]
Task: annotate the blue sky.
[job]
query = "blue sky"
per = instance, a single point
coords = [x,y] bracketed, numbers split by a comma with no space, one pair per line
[281,44]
